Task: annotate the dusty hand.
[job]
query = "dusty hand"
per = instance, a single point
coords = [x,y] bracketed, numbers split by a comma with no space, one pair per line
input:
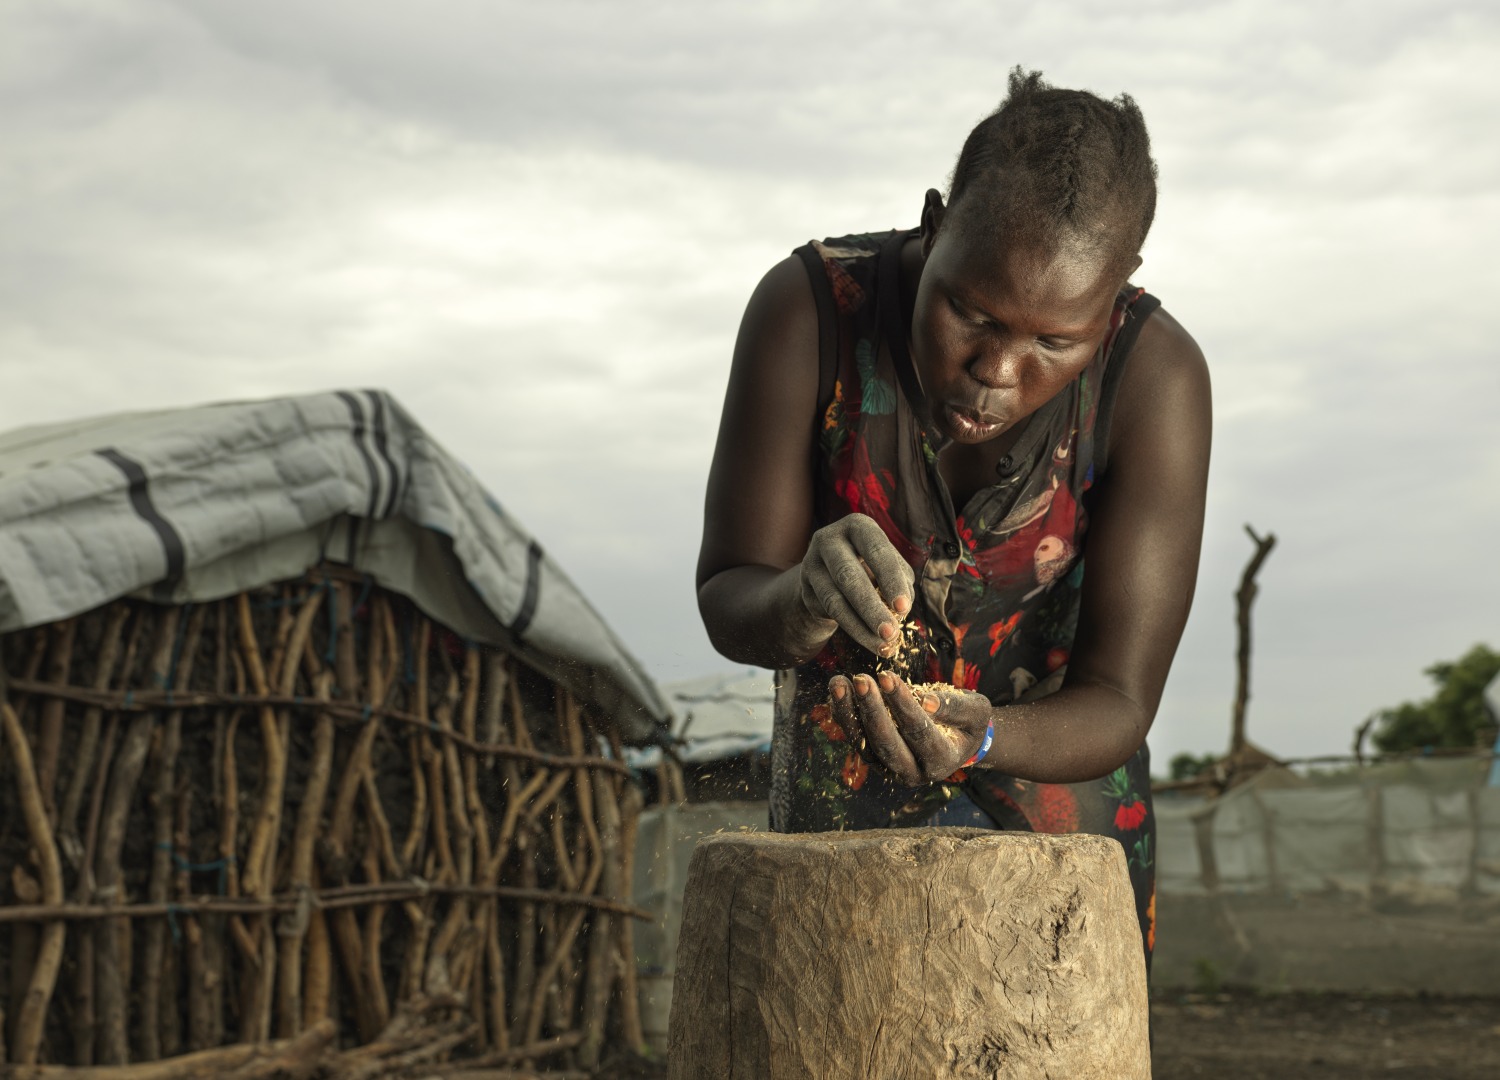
[919,739]
[854,577]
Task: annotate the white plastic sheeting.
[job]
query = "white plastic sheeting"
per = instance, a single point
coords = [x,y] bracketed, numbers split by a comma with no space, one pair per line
[664,847]
[196,504]
[1432,829]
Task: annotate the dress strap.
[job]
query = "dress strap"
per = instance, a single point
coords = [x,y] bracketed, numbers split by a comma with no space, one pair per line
[828,331]
[891,320]
[1137,311]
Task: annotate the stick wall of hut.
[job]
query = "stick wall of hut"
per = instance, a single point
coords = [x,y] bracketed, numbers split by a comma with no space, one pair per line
[306,814]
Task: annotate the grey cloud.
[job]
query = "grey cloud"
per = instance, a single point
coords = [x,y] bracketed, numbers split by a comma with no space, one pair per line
[538,225]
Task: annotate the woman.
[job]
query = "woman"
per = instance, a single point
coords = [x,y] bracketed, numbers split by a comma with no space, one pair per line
[926,434]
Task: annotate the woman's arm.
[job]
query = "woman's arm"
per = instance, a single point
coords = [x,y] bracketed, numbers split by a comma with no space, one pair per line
[771,590]
[1142,556]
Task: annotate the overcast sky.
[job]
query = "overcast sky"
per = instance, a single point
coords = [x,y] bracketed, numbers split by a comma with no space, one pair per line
[537,225]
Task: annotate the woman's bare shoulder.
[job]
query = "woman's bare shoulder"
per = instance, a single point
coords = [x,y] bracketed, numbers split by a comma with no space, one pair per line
[1167,374]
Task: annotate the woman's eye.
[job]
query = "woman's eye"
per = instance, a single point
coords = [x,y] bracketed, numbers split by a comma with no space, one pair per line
[965,316]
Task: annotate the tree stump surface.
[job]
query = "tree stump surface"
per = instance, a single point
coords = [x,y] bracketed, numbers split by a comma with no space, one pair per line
[909,954]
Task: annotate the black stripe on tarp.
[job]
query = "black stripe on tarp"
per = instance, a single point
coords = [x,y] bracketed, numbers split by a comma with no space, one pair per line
[527,610]
[383,450]
[140,500]
[357,415]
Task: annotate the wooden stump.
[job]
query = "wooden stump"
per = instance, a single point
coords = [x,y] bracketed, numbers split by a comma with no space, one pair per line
[909,954]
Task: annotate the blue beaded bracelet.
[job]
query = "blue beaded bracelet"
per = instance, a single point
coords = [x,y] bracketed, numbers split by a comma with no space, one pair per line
[984,747]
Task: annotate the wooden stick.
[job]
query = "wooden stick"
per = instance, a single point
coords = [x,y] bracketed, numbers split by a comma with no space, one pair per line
[1244,597]
[495,680]
[529,1052]
[40,639]
[600,969]
[199,993]
[319,975]
[374,975]
[632,803]
[309,817]
[31,1020]
[475,811]
[161,803]
[334,899]
[525,939]
[544,981]
[111,967]
[463,832]
[412,847]
[287,1058]
[345,927]
[147,700]
[495,961]
[260,862]
[346,667]
[85,1022]
[50,728]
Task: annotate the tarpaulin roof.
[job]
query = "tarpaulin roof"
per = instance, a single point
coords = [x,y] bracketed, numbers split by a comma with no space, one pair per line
[199,503]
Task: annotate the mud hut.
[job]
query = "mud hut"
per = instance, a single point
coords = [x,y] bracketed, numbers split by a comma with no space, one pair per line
[310,757]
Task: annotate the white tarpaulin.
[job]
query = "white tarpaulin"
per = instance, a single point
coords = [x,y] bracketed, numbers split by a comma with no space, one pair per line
[1420,825]
[200,503]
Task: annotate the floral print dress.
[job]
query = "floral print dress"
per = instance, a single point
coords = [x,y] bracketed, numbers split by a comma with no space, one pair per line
[998,581]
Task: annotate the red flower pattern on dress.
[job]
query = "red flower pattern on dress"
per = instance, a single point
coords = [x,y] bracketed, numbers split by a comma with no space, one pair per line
[1002,631]
[855,771]
[966,538]
[965,675]
[1052,808]
[1130,816]
[1052,513]
[1132,811]
[823,714]
[1056,658]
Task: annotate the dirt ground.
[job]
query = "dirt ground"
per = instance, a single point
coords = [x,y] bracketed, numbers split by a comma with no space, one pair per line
[1299,1037]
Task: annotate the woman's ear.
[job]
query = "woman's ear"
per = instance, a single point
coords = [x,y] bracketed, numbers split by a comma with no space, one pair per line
[932,218]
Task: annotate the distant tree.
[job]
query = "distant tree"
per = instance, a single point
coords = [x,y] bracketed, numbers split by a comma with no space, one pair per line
[1185,766]
[1455,716]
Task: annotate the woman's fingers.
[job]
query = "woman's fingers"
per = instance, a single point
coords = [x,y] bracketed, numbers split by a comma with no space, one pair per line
[918,738]
[926,741]
[881,734]
[841,690]
[893,576]
[962,711]
[837,579]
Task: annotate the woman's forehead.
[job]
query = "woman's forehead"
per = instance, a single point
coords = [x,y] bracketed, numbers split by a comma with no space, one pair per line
[986,267]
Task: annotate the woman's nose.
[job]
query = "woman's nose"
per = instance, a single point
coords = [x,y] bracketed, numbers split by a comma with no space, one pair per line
[998,363]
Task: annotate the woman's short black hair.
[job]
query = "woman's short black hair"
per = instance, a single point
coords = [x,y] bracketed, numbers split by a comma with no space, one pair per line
[1050,161]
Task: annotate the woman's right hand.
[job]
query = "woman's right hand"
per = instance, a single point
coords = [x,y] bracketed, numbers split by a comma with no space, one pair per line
[854,579]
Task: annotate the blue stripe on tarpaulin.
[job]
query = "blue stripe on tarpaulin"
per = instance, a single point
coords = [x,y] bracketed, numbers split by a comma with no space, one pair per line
[530,598]
[382,448]
[357,415]
[140,500]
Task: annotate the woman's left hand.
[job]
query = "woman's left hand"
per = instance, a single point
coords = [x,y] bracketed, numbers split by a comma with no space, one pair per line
[918,738]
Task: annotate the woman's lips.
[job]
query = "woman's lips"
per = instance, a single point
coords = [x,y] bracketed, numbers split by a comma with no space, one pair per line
[966,424]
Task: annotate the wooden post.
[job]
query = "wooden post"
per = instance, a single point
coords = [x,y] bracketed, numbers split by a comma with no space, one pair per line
[1243,598]
[907,953]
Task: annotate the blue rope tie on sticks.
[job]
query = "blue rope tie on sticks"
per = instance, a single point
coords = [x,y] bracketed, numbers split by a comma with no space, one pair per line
[221,865]
[172,910]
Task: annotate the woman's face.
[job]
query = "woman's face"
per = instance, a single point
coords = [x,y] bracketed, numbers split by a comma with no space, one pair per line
[1000,328]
